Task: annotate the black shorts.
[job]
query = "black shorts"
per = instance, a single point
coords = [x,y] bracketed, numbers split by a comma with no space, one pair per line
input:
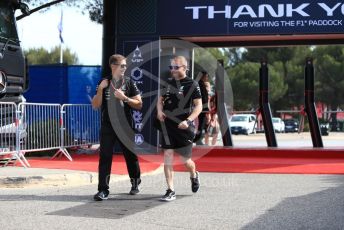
[180,140]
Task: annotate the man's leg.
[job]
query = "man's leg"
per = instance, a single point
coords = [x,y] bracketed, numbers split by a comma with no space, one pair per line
[190,166]
[132,161]
[107,142]
[168,168]
[194,175]
[133,168]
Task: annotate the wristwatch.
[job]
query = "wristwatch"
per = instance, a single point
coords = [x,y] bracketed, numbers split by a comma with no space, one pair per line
[189,122]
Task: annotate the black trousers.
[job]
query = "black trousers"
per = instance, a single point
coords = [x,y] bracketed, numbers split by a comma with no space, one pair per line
[108,139]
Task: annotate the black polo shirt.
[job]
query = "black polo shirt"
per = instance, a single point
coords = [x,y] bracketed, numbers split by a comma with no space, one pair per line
[129,88]
[178,96]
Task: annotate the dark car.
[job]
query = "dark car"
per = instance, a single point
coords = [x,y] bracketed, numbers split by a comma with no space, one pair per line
[291,125]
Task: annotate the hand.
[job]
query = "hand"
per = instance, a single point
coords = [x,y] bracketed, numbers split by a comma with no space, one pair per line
[183,125]
[119,94]
[161,116]
[104,84]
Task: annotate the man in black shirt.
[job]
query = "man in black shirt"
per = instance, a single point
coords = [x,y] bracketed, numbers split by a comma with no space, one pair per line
[116,96]
[179,104]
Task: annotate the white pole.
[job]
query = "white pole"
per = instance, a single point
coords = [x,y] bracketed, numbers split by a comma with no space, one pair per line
[61,53]
[60,27]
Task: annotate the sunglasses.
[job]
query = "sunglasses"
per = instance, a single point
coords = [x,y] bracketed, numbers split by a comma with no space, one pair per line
[175,67]
[123,66]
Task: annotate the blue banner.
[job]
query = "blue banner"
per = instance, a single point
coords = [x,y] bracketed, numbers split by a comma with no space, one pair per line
[247,17]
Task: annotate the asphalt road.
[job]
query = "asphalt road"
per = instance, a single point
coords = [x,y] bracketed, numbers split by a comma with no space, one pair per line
[225,201]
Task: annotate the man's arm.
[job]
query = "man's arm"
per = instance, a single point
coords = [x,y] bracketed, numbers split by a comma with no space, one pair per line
[134,102]
[196,111]
[98,98]
[161,115]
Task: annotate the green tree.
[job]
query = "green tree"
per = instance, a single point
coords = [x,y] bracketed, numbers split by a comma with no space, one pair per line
[288,63]
[244,79]
[93,7]
[329,76]
[41,56]
[206,59]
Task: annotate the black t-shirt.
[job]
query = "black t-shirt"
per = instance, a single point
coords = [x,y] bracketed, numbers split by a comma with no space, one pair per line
[178,96]
[130,90]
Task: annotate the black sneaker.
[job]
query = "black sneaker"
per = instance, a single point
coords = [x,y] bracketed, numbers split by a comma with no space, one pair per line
[134,186]
[101,195]
[195,183]
[169,196]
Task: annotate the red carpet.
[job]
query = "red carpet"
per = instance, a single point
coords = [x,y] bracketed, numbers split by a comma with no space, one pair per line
[225,160]
[264,160]
[83,162]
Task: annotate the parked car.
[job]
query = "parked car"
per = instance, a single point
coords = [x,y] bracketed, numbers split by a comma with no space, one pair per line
[324,129]
[278,124]
[291,125]
[243,124]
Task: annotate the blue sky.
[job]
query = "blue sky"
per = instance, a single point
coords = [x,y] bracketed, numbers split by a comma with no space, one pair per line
[80,34]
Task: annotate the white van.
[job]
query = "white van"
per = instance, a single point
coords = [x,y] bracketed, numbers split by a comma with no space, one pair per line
[243,124]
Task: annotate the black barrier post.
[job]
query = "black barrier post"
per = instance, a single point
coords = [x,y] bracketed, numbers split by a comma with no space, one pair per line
[221,106]
[264,106]
[310,104]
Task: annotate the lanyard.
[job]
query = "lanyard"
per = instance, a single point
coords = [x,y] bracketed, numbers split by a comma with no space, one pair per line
[114,86]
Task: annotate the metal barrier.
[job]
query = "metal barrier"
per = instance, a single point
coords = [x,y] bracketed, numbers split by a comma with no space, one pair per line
[41,125]
[10,136]
[79,126]
[31,127]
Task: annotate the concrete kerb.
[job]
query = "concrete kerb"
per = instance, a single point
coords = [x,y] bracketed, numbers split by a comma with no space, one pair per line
[19,177]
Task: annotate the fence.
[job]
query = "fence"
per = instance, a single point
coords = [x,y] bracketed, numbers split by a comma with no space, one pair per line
[31,127]
[9,133]
[79,126]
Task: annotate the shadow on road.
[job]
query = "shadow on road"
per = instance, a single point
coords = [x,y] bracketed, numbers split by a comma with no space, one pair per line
[117,206]
[319,210]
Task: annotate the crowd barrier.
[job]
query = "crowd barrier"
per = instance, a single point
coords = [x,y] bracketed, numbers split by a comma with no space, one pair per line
[31,127]
[9,133]
[79,126]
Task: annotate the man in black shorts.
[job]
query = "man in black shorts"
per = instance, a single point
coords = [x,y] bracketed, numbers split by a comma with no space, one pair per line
[179,104]
[116,96]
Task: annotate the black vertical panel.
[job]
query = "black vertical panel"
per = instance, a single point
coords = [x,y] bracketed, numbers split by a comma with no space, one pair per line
[264,105]
[310,104]
[221,108]
[109,34]
[137,16]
